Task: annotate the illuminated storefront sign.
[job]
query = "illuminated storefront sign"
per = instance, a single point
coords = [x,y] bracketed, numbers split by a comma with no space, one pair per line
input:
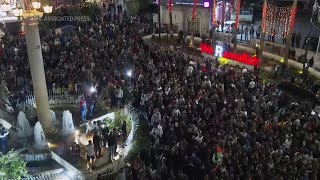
[208,49]
[219,52]
[242,58]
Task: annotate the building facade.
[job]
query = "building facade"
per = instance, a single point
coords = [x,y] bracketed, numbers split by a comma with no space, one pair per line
[182,18]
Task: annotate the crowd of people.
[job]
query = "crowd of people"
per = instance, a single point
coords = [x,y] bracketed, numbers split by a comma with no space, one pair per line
[221,123]
[208,121]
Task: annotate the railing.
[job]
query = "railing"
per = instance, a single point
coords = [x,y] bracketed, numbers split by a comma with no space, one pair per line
[57,97]
[113,172]
[48,175]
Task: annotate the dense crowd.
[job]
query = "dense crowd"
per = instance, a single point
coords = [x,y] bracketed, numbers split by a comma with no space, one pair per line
[208,122]
[221,123]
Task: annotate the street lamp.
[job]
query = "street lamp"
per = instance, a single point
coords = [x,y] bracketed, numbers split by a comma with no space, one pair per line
[30,13]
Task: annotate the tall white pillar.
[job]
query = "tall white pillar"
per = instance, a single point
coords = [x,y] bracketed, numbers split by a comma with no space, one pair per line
[31,30]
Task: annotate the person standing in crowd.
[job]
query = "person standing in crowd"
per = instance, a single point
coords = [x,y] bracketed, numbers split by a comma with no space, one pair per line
[75,152]
[90,156]
[97,144]
[124,132]
[284,37]
[311,61]
[293,39]
[111,145]
[105,134]
[298,39]
[91,103]
[258,31]
[83,109]
[119,96]
[246,32]
[115,133]
[251,32]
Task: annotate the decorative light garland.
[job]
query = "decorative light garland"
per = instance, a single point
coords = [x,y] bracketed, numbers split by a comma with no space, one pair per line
[278,20]
[264,15]
[238,3]
[214,18]
[195,3]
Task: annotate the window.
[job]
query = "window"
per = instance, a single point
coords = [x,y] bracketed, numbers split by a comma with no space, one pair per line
[194,25]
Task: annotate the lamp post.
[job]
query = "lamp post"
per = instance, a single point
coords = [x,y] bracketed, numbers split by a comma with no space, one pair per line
[30,14]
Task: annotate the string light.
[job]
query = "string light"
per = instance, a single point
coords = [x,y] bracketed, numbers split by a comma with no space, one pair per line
[237,13]
[195,3]
[264,15]
[278,20]
[214,18]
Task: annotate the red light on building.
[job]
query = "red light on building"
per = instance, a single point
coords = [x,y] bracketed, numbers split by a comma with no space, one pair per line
[206,48]
[242,58]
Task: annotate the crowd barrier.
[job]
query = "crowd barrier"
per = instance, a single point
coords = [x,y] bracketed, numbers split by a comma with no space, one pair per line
[57,98]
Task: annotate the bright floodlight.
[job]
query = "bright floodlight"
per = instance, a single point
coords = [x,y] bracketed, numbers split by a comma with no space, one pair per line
[129,73]
[92,89]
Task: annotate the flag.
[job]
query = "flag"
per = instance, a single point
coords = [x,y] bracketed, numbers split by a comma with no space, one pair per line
[217,156]
[170,6]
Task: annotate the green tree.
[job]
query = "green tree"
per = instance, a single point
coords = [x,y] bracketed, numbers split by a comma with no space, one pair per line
[12,166]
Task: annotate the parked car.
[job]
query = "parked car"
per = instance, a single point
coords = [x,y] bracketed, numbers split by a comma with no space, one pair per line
[227,27]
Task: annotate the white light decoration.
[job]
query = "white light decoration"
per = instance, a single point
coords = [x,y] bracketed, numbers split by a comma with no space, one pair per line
[36,5]
[129,73]
[93,89]
[17,12]
[47,9]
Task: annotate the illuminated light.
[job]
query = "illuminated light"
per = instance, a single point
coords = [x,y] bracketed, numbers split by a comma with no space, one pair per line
[129,73]
[219,51]
[278,20]
[237,13]
[214,9]
[206,4]
[223,61]
[36,5]
[208,49]
[282,60]
[300,72]
[242,58]
[47,9]
[93,89]
[49,144]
